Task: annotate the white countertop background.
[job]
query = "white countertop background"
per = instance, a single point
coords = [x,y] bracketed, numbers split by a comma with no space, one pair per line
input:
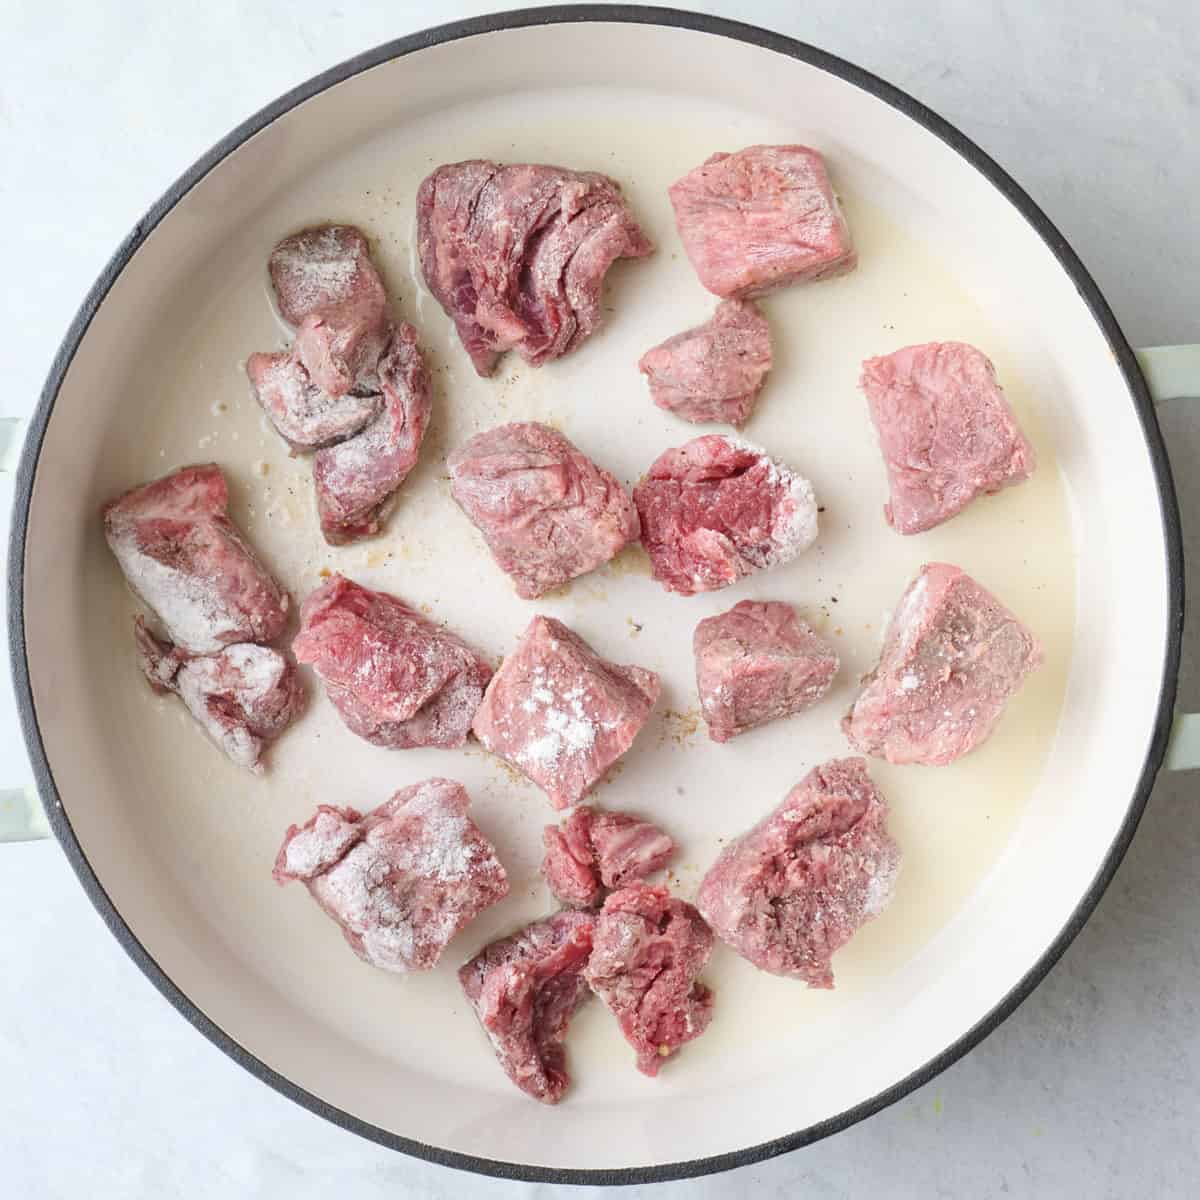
[1092,1089]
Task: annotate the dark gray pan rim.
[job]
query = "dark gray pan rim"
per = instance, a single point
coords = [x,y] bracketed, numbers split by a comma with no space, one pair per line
[779,44]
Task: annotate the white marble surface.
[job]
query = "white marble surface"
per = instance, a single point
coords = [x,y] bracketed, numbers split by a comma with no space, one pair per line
[1089,1090]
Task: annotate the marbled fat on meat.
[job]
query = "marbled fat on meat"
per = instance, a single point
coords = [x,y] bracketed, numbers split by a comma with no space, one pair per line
[517,254]
[715,371]
[594,850]
[547,512]
[761,219]
[647,951]
[560,714]
[717,509]
[756,663]
[946,431]
[243,696]
[953,656]
[397,679]
[796,887]
[184,557]
[401,881]
[525,989]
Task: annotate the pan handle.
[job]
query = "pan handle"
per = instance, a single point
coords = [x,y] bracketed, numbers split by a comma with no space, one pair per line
[1172,373]
[21,815]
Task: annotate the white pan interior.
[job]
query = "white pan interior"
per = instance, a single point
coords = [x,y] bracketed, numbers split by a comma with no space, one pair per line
[999,848]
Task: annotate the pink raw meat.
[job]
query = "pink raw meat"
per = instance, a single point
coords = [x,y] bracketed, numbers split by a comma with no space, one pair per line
[647,951]
[756,663]
[594,850]
[517,254]
[717,509]
[184,557]
[327,286]
[547,512]
[952,657]
[397,679]
[761,219]
[525,989]
[560,713]
[715,371]
[797,886]
[946,431]
[401,881]
[243,696]
[357,479]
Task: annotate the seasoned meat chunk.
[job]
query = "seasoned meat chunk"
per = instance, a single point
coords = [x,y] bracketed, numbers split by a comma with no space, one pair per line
[647,951]
[327,286]
[184,557]
[547,512]
[796,887]
[756,663]
[301,412]
[357,479]
[560,713]
[517,254]
[401,881]
[946,431]
[715,371]
[397,679]
[952,657]
[717,509]
[243,696]
[593,850]
[525,989]
[761,219]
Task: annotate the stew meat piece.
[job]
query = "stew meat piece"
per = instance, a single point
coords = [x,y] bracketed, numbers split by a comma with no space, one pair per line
[953,656]
[397,679]
[517,254]
[547,512]
[188,562]
[761,219]
[717,509]
[946,431]
[561,714]
[401,881]
[756,663]
[715,371]
[525,989]
[243,696]
[647,951]
[595,850]
[796,887]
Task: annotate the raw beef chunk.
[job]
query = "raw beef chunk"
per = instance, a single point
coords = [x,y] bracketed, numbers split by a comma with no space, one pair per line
[183,556]
[761,219]
[517,254]
[525,990]
[716,509]
[794,889]
[547,512]
[357,479]
[952,657]
[946,431]
[758,662]
[397,679]
[327,287]
[243,696]
[647,951]
[560,713]
[401,881]
[594,850]
[715,371]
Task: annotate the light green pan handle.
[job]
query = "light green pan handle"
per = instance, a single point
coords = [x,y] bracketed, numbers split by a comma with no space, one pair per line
[1173,372]
[21,815]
